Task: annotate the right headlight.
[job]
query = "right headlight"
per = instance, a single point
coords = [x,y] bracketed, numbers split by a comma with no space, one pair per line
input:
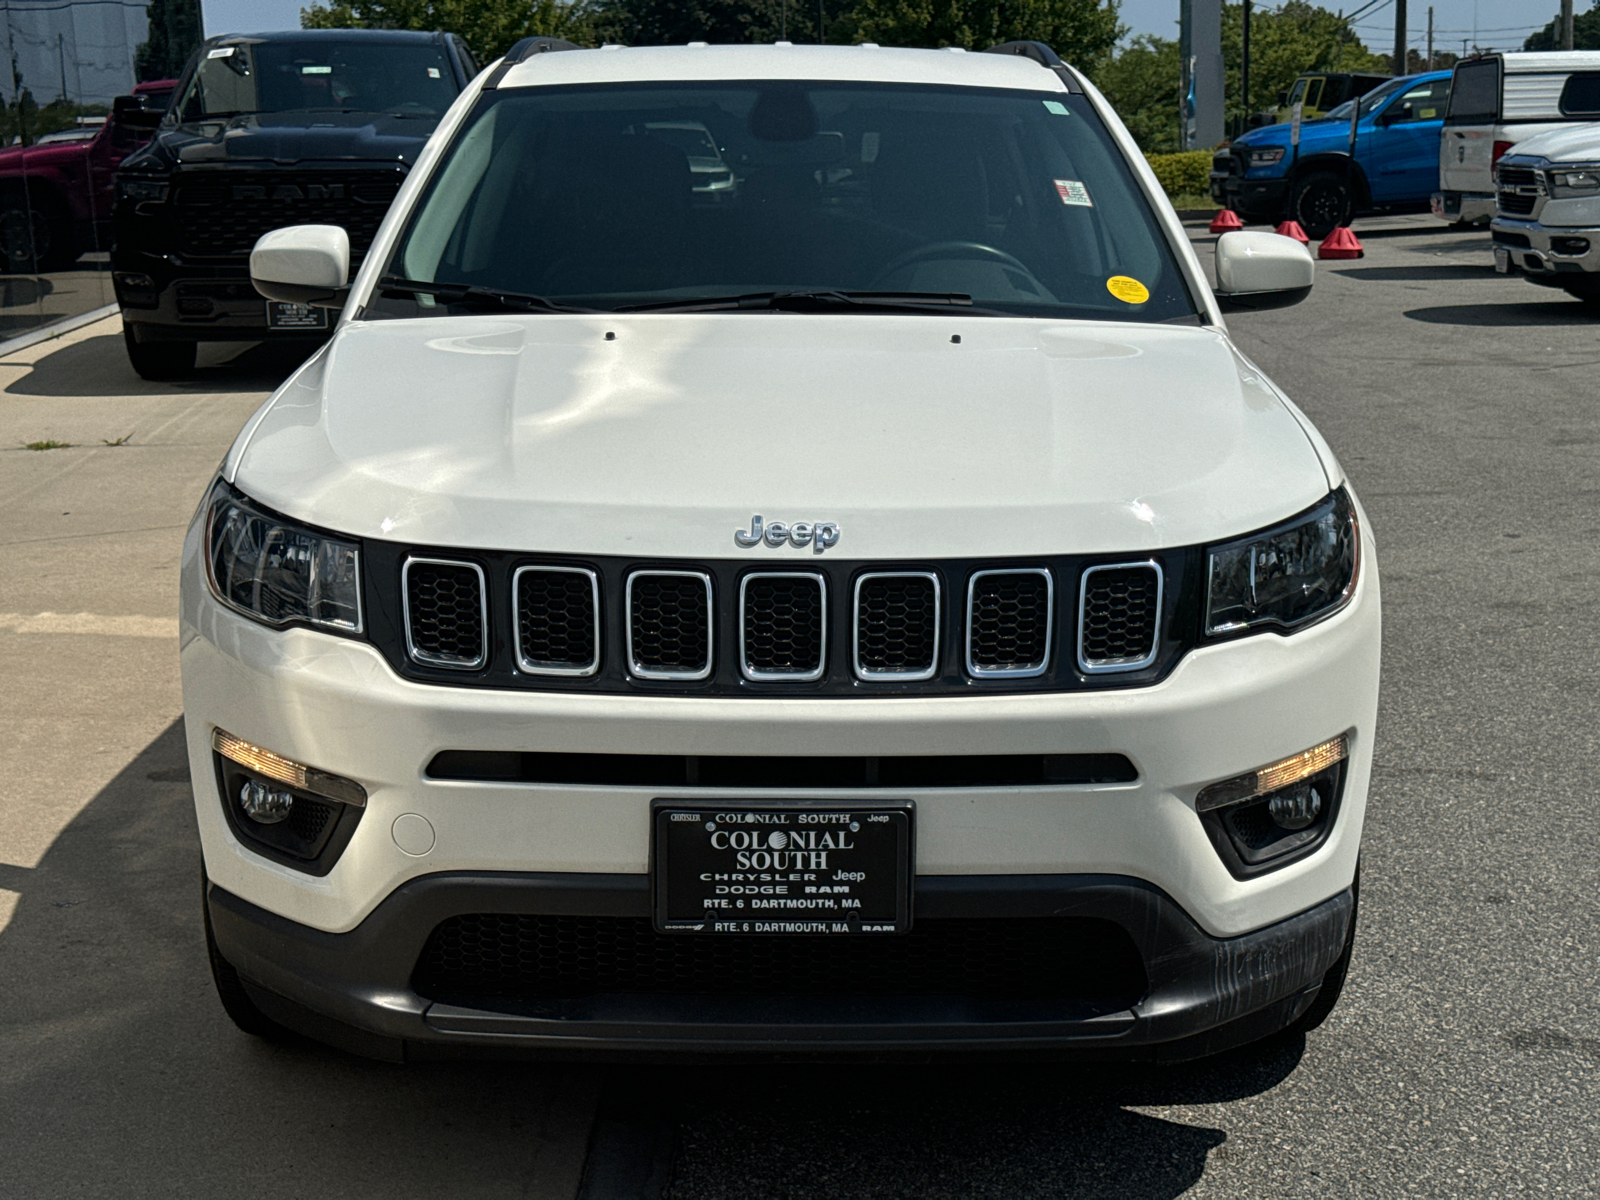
[1574,181]
[1288,576]
[277,571]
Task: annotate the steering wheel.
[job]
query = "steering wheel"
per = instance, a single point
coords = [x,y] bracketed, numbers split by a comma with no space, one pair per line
[948,250]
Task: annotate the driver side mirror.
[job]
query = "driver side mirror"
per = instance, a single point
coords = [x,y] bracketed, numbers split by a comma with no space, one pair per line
[127,112]
[303,264]
[1262,270]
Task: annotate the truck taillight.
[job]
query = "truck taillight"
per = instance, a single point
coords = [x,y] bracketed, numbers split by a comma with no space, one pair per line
[1499,149]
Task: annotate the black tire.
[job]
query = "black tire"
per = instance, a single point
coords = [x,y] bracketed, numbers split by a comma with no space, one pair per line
[1333,982]
[236,1001]
[159,361]
[1321,203]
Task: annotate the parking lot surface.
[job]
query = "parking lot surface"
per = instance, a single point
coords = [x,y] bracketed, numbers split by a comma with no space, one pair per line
[1462,1061]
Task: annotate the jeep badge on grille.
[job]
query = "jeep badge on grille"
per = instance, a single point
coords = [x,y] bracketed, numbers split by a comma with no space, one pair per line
[820,534]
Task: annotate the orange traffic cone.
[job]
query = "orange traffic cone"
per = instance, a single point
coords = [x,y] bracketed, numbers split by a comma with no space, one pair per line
[1341,243]
[1226,221]
[1292,229]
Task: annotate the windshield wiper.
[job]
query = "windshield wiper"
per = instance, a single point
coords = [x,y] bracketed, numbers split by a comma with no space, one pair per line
[460,293]
[830,299]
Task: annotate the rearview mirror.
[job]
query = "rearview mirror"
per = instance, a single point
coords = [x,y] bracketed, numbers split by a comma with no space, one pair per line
[303,264]
[1262,270]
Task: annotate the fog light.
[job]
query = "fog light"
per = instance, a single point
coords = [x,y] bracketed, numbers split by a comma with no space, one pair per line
[1296,807]
[134,281]
[287,771]
[1274,777]
[1569,245]
[264,805]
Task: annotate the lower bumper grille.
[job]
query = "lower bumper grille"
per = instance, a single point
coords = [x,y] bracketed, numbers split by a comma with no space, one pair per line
[484,959]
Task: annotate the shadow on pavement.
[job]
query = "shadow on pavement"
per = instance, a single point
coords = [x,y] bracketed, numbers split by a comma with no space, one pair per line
[1534,312]
[98,366]
[119,1074]
[1462,271]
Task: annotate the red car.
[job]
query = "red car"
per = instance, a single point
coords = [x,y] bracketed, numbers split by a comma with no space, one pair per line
[56,194]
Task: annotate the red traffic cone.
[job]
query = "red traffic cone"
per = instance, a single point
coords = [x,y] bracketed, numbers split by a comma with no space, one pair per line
[1226,221]
[1292,229]
[1341,243]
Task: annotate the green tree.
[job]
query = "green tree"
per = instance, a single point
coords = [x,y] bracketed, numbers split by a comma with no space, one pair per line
[674,22]
[1141,83]
[1585,33]
[489,26]
[1298,37]
[174,34]
[1083,32]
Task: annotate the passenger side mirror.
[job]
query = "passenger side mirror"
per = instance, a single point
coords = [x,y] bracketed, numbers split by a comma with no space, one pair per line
[1262,270]
[303,264]
[128,113]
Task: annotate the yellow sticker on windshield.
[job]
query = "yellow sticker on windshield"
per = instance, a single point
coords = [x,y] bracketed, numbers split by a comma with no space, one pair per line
[1129,291]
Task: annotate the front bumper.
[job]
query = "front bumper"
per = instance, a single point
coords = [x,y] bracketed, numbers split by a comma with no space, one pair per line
[196,302]
[1201,995]
[1466,208]
[1260,200]
[1559,256]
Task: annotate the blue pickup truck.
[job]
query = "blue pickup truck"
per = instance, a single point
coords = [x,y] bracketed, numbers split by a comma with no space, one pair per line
[1396,168]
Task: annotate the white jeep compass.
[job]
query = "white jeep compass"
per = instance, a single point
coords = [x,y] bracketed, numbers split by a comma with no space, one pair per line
[867,605]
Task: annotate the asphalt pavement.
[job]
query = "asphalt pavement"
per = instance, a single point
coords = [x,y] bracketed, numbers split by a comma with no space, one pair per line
[1462,1060]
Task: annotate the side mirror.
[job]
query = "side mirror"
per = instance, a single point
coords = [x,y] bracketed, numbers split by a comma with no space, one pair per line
[128,113]
[1283,98]
[303,264]
[1262,270]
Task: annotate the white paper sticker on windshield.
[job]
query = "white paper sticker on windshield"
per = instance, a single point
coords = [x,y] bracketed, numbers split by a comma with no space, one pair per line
[1055,106]
[1072,191]
[221,52]
[433,72]
[316,70]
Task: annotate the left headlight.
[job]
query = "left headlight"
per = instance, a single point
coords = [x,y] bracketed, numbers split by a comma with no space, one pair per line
[279,572]
[1288,576]
[1585,181]
[1266,156]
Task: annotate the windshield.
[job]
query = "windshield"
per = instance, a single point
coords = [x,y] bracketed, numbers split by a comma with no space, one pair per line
[324,76]
[587,196]
[1370,101]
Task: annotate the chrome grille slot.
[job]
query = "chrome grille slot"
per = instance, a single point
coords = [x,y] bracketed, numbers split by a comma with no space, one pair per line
[1010,621]
[669,625]
[446,613]
[1119,617]
[1517,190]
[558,620]
[783,626]
[897,626]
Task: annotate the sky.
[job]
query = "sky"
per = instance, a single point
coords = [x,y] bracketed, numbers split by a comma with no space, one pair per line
[1501,24]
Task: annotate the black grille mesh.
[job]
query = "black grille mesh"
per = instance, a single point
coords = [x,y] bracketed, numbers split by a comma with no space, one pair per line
[897,625]
[484,957]
[221,215]
[1010,620]
[446,612]
[670,622]
[783,624]
[555,619]
[1120,608]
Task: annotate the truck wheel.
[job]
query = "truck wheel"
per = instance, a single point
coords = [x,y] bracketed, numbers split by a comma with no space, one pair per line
[159,361]
[33,239]
[236,1001]
[1321,203]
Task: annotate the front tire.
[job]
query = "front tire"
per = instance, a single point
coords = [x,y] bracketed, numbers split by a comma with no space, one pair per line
[1321,203]
[236,1002]
[159,362]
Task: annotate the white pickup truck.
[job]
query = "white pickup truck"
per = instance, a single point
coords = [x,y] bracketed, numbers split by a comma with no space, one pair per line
[1497,101]
[1547,224]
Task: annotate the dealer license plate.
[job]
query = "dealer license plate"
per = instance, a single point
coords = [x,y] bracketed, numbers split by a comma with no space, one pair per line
[1502,260]
[281,315]
[781,867]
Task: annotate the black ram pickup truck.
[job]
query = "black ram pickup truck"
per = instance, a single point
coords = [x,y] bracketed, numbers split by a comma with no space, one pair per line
[314,126]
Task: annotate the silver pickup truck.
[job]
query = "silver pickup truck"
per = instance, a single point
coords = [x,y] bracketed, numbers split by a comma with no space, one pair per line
[1547,216]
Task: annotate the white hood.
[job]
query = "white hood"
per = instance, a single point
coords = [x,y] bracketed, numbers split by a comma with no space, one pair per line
[659,436]
[1570,143]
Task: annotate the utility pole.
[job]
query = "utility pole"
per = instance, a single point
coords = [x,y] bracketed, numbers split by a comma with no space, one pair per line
[1244,68]
[1399,37]
[1430,37]
[61,55]
[822,25]
[1566,24]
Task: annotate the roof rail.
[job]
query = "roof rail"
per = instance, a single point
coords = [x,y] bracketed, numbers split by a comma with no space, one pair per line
[1041,54]
[523,50]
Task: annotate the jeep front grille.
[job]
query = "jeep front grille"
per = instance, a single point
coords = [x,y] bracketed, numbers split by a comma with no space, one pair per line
[897,625]
[447,613]
[1010,620]
[558,620]
[783,630]
[221,213]
[669,625]
[1120,607]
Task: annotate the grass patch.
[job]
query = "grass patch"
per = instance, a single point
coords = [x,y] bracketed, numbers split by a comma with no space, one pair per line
[47,444]
[121,441]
